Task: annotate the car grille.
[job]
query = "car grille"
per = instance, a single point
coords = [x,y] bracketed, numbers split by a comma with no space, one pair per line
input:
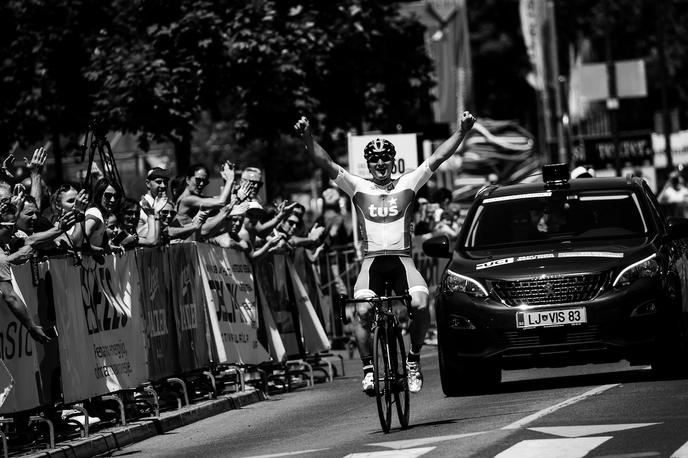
[549,290]
[537,337]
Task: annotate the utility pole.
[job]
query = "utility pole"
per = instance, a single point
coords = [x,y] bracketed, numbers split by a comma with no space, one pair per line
[666,121]
[612,100]
[554,60]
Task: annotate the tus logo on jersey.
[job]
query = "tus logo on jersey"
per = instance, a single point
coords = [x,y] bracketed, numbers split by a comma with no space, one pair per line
[384,211]
[383,208]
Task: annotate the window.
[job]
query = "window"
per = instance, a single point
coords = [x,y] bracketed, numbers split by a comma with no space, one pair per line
[560,216]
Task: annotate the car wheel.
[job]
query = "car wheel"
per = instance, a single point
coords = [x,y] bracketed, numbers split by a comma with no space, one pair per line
[460,377]
[671,352]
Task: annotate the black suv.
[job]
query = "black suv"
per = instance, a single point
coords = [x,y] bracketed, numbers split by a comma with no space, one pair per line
[558,273]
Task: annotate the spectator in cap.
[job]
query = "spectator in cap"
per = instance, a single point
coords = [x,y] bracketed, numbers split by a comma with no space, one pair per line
[157,183]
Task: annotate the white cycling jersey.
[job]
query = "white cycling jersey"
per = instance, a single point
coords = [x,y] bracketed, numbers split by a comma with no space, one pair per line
[385,213]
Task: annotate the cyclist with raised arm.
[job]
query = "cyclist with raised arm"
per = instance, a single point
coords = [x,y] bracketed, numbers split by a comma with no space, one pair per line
[385,212]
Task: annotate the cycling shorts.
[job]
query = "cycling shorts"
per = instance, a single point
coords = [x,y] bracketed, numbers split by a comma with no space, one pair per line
[399,271]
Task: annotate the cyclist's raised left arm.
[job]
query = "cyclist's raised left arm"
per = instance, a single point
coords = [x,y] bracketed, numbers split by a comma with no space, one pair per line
[448,148]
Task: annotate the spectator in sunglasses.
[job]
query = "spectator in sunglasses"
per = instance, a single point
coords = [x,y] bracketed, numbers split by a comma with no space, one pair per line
[192,200]
[106,200]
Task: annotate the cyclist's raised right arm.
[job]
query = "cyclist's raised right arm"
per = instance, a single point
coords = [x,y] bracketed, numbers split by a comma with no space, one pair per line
[315,151]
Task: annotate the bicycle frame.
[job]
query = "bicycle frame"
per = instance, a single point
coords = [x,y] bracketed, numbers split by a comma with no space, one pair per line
[389,358]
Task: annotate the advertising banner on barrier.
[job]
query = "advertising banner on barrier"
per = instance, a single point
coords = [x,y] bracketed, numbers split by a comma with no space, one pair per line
[19,350]
[231,300]
[100,323]
[314,336]
[188,307]
[161,335]
[276,292]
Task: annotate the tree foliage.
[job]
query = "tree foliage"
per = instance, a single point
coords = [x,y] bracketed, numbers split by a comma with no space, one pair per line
[157,68]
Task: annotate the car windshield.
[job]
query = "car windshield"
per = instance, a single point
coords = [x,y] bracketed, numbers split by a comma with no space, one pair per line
[555,216]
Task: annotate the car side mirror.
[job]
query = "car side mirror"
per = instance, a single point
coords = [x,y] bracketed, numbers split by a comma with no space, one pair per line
[677,228]
[437,247]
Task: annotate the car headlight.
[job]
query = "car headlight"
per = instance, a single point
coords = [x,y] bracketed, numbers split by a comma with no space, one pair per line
[642,269]
[457,283]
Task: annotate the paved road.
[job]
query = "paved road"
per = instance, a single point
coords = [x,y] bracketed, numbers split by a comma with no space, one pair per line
[596,410]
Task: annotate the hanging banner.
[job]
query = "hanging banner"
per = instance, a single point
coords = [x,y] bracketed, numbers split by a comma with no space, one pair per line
[533,17]
[231,301]
[161,334]
[314,337]
[19,380]
[188,307]
[271,278]
[100,325]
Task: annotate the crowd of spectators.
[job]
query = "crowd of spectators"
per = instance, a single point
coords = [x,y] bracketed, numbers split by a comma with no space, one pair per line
[101,219]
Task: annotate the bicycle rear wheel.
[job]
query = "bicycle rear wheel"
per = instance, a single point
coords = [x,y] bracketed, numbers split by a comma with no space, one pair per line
[401,391]
[383,389]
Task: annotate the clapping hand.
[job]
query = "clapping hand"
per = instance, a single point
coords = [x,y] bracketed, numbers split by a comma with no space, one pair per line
[159,203]
[316,232]
[227,172]
[244,190]
[466,122]
[302,127]
[81,203]
[37,160]
[67,220]
[283,208]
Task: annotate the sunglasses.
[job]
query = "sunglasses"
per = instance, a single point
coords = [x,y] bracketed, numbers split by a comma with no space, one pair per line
[201,180]
[291,222]
[380,157]
[110,195]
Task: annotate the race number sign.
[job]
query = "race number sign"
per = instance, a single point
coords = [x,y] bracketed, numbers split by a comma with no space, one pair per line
[405,160]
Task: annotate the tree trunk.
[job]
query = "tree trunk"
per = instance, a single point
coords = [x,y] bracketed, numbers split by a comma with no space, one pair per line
[182,153]
[57,154]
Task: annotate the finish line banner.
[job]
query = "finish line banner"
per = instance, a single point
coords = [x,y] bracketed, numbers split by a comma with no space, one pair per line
[231,301]
[99,315]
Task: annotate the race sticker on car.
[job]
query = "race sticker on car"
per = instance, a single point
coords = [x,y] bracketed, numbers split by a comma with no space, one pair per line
[542,318]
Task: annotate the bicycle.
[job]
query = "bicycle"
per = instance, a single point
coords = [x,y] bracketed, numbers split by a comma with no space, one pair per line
[389,358]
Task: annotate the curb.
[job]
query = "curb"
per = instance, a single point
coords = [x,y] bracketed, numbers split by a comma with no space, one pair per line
[137,431]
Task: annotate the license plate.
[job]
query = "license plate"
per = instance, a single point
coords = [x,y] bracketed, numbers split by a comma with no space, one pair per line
[548,318]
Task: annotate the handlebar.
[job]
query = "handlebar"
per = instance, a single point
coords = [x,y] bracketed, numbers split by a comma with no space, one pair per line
[342,299]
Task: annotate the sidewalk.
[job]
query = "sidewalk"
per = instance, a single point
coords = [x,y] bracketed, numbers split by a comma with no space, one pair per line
[115,438]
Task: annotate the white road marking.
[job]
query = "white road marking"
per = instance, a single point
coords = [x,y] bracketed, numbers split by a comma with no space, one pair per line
[546,411]
[682,452]
[398,445]
[301,452]
[588,430]
[554,448]
[408,453]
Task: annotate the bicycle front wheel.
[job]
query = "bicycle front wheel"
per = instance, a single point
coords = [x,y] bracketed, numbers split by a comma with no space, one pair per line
[400,386]
[383,389]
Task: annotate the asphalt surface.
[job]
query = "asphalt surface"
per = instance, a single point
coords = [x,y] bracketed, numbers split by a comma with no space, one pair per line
[594,410]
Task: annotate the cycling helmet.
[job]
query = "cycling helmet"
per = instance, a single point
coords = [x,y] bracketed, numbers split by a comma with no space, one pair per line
[379,146]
